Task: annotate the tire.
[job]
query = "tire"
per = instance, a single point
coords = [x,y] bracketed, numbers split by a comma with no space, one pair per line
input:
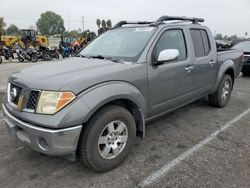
[34,58]
[222,96]
[20,59]
[91,149]
[57,56]
[1,60]
[47,57]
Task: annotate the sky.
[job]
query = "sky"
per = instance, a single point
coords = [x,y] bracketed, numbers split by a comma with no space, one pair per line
[221,16]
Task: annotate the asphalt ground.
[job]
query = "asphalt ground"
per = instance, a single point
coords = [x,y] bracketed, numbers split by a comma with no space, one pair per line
[195,146]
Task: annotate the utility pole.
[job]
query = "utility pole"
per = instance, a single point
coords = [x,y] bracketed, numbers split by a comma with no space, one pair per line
[82,23]
[68,20]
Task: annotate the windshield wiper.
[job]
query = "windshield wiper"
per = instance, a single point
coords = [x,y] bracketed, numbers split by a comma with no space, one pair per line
[83,56]
[105,58]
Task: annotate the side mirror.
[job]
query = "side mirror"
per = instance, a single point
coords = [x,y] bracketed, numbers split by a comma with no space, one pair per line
[167,55]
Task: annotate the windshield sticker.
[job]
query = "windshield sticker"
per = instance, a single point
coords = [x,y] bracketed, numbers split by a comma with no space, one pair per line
[144,29]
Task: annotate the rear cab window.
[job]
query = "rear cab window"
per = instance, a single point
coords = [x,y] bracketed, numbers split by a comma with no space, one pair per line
[201,42]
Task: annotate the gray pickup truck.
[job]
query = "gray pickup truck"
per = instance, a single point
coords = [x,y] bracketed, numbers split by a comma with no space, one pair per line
[95,104]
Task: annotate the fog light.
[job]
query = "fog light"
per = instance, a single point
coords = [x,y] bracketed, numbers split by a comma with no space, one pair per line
[43,144]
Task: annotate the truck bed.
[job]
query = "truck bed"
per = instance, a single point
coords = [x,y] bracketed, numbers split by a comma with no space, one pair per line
[231,54]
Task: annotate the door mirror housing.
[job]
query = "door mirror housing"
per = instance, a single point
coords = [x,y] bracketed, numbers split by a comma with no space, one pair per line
[167,55]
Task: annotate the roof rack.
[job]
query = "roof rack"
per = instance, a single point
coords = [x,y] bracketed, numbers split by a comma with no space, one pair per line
[161,20]
[170,18]
[121,23]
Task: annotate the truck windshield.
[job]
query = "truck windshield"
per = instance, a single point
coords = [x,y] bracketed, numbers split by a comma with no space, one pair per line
[125,44]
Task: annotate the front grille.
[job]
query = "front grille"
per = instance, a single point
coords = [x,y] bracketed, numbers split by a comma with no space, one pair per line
[33,100]
[29,100]
[248,60]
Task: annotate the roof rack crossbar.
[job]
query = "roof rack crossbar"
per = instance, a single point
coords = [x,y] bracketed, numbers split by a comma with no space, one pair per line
[170,18]
[160,20]
[121,23]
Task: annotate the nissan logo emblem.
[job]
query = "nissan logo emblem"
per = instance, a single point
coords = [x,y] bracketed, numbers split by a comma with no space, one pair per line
[13,94]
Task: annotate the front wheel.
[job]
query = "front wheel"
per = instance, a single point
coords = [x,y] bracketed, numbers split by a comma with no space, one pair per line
[107,138]
[47,57]
[6,57]
[221,97]
[20,59]
[34,58]
[57,56]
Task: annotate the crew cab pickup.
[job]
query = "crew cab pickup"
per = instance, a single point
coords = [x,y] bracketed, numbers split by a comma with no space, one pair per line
[95,104]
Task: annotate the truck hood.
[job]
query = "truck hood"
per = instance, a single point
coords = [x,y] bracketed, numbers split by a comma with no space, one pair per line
[74,74]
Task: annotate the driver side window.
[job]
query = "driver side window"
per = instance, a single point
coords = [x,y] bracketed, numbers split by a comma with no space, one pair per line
[171,39]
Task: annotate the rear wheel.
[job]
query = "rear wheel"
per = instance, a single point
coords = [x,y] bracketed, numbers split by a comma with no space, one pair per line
[221,97]
[107,138]
[1,60]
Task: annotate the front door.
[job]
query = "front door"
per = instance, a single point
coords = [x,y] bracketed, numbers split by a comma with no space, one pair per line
[170,84]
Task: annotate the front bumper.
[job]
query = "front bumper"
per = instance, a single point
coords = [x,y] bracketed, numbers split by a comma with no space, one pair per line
[48,141]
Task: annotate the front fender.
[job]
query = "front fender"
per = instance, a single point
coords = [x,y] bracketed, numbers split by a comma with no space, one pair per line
[226,65]
[99,95]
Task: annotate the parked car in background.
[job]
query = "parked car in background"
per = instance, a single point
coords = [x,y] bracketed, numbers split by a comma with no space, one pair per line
[245,46]
[98,102]
[221,44]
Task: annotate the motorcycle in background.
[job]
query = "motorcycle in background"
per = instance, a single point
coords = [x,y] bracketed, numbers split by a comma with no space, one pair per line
[8,52]
[54,53]
[29,54]
[47,54]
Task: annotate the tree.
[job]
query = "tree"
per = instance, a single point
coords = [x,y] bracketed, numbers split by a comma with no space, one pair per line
[12,30]
[2,25]
[233,37]
[98,23]
[109,23]
[50,23]
[73,33]
[225,38]
[218,36]
[104,24]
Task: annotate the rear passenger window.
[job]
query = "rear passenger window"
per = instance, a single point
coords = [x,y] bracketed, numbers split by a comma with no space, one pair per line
[206,42]
[200,42]
[171,39]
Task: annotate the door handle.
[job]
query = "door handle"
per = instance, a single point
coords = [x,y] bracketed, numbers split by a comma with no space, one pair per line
[189,68]
[212,62]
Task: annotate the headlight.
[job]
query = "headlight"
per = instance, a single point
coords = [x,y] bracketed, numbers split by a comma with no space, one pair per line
[51,102]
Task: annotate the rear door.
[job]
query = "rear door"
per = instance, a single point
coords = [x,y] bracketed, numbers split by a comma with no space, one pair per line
[205,60]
